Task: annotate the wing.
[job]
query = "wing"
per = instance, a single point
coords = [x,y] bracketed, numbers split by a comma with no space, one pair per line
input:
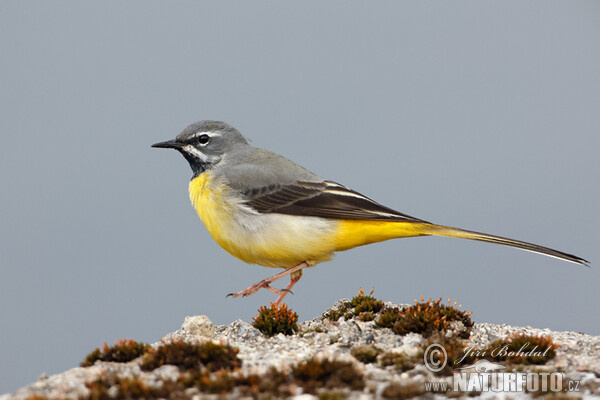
[320,199]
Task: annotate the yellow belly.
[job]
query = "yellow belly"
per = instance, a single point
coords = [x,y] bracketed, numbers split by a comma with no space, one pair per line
[278,240]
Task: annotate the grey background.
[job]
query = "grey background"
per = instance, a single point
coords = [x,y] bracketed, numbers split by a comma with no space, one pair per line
[483,115]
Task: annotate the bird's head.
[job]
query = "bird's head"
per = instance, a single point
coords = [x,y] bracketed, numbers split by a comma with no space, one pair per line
[204,143]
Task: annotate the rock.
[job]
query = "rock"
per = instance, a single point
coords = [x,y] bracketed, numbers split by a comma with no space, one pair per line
[199,325]
[577,357]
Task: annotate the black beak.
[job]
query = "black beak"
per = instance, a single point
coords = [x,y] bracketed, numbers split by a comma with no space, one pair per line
[169,144]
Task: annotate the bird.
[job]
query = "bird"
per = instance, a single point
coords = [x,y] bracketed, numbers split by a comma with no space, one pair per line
[265,209]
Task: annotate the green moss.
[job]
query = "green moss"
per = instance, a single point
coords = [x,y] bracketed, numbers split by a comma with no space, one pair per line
[366,316]
[425,318]
[98,389]
[329,378]
[342,311]
[124,350]
[135,388]
[400,360]
[91,358]
[521,348]
[315,374]
[361,306]
[131,388]
[366,353]
[209,370]
[388,317]
[186,356]
[312,375]
[273,383]
[219,382]
[454,351]
[276,319]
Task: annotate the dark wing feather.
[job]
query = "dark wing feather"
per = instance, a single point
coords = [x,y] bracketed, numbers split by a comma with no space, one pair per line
[320,199]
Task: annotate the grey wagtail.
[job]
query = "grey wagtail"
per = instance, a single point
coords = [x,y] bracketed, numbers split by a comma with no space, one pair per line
[264,209]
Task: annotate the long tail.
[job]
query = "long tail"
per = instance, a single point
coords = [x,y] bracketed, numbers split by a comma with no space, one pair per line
[439,230]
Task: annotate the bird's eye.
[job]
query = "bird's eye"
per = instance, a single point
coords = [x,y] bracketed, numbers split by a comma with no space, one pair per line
[203,139]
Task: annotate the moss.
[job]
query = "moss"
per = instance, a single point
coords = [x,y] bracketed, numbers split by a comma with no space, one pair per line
[335,314]
[361,306]
[91,358]
[397,392]
[401,361]
[425,318]
[520,348]
[276,319]
[98,389]
[186,356]
[312,375]
[131,388]
[366,316]
[366,354]
[216,377]
[124,350]
[272,383]
[344,310]
[388,317]
[135,388]
[220,382]
[362,303]
[454,350]
[315,374]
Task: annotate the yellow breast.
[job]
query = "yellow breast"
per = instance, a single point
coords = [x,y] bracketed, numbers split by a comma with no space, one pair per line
[208,198]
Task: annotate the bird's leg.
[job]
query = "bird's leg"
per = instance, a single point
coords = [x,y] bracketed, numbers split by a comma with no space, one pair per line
[265,283]
[295,277]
